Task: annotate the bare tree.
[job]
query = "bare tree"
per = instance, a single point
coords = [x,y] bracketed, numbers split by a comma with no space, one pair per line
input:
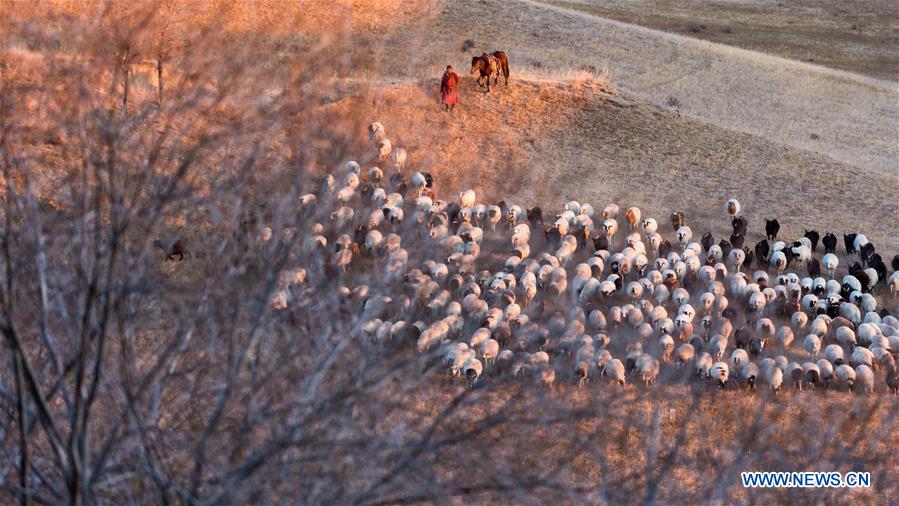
[129,377]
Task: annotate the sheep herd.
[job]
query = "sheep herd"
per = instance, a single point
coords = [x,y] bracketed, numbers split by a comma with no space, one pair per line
[587,295]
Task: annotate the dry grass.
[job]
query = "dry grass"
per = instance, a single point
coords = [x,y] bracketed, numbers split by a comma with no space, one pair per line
[859,37]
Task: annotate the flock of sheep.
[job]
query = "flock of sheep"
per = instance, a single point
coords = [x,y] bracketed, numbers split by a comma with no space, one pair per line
[583,296]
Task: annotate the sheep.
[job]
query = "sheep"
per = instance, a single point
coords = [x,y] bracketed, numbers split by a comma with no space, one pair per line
[733,207]
[546,376]
[703,365]
[721,373]
[784,337]
[489,350]
[633,216]
[376,132]
[862,356]
[384,148]
[750,372]
[684,234]
[614,370]
[647,369]
[827,371]
[796,374]
[845,376]
[811,373]
[717,345]
[893,283]
[892,379]
[773,377]
[399,158]
[473,369]
[739,357]
[812,344]
[834,353]
[778,261]
[467,199]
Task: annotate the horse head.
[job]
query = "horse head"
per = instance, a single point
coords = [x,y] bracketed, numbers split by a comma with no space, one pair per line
[477,63]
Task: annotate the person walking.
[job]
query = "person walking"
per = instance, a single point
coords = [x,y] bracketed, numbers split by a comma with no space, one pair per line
[448,94]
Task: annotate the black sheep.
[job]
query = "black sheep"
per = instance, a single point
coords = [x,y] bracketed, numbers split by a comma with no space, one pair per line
[707,241]
[814,267]
[600,242]
[535,216]
[772,227]
[429,180]
[664,249]
[748,261]
[880,268]
[761,253]
[813,236]
[742,337]
[849,242]
[755,347]
[452,212]
[553,237]
[829,242]
[895,263]
[726,247]
[395,180]
[865,252]
[729,313]
[740,225]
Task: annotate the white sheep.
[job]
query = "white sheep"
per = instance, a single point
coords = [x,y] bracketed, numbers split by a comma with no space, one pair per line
[845,376]
[773,377]
[473,369]
[829,263]
[703,365]
[721,373]
[489,350]
[376,133]
[467,199]
[684,234]
[834,353]
[418,181]
[864,378]
[399,158]
[812,344]
[738,357]
[717,345]
[384,149]
[375,176]
[647,369]
[778,261]
[614,370]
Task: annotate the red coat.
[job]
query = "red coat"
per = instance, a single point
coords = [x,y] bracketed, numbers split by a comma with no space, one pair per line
[448,87]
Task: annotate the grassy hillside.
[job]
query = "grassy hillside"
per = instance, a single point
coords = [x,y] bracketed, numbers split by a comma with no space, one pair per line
[858,37]
[847,117]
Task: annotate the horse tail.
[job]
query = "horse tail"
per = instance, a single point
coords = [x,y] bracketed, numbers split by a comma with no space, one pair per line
[503,62]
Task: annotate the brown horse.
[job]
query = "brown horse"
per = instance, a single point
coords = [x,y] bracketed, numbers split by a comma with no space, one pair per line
[490,65]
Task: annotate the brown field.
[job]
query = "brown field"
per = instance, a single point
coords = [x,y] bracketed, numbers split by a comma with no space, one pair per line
[203,395]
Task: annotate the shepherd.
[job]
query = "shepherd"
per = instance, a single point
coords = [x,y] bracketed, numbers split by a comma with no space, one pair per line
[448,88]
